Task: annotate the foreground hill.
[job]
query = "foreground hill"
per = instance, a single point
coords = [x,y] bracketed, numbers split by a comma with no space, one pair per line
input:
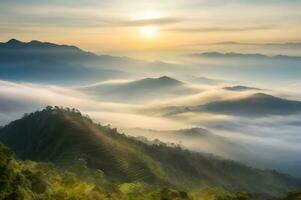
[258,104]
[63,136]
[140,90]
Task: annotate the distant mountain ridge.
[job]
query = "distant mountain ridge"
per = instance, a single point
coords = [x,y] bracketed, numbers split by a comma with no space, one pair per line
[14,43]
[45,47]
[140,90]
[165,80]
[240,88]
[48,62]
[34,50]
[279,44]
[233,55]
[258,104]
[62,136]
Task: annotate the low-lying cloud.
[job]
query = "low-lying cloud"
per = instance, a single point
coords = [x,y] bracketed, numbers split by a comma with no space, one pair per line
[19,98]
[275,138]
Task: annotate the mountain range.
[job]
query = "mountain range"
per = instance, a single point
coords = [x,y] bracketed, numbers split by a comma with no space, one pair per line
[62,136]
[281,45]
[47,62]
[233,55]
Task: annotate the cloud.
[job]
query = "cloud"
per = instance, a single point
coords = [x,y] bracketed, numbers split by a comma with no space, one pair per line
[26,97]
[19,98]
[274,138]
[57,16]
[221,29]
[83,22]
[143,22]
[208,94]
[267,142]
[277,136]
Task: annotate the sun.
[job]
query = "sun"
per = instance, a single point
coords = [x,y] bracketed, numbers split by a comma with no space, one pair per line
[149,31]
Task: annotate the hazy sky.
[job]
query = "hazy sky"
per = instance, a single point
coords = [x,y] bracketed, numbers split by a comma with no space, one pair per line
[132,25]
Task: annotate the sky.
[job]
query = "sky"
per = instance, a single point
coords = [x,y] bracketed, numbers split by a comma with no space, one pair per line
[122,26]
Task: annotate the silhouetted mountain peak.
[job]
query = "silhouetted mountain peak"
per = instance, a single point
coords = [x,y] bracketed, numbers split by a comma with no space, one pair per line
[38,45]
[166,78]
[162,80]
[240,88]
[264,97]
[35,42]
[14,41]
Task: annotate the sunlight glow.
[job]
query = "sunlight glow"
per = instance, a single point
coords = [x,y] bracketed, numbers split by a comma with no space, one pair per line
[149,31]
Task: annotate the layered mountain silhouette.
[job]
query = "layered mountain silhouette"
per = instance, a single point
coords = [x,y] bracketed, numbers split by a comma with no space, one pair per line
[140,90]
[46,62]
[240,88]
[247,66]
[233,55]
[258,104]
[292,45]
[62,136]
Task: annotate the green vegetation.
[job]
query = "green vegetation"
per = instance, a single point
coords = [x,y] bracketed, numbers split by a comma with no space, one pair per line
[27,180]
[291,196]
[91,161]
[30,180]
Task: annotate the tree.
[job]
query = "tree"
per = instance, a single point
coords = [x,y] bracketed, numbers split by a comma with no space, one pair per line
[49,108]
[80,168]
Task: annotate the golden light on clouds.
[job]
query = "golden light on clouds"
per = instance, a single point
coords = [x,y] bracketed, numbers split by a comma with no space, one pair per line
[149,14]
[148,31]
[169,26]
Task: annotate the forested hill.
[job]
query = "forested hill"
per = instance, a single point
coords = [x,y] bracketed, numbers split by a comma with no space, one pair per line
[63,136]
